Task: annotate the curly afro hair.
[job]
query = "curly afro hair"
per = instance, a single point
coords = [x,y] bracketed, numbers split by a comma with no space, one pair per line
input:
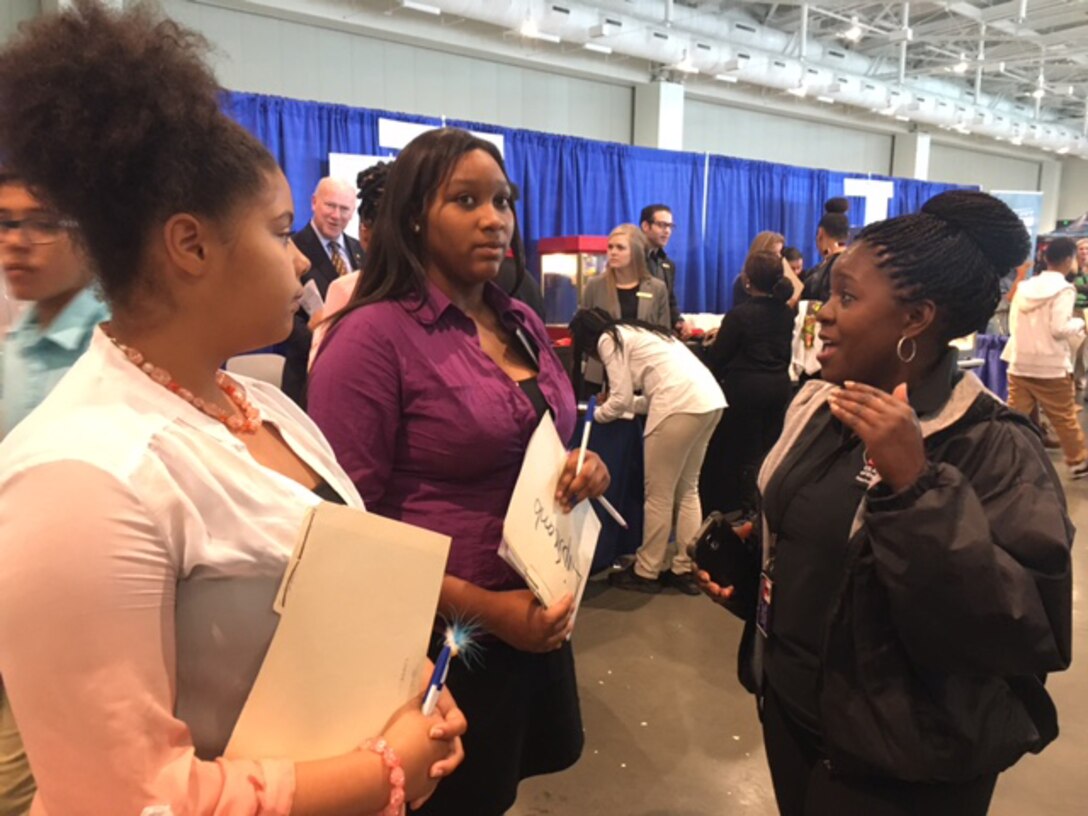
[954,252]
[114,119]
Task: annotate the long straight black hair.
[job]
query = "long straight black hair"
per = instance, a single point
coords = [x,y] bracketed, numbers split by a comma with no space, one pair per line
[396,262]
[586,328]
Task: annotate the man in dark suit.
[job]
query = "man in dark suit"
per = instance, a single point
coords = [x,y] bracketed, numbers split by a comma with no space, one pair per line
[657,226]
[331,254]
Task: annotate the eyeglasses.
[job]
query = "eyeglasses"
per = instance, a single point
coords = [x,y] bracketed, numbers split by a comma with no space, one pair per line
[37,230]
[664,225]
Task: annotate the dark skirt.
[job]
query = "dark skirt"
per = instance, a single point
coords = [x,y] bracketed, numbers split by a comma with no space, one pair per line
[523,720]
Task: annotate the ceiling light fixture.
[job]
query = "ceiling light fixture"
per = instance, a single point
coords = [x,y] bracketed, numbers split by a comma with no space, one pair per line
[854,33]
[530,29]
[961,66]
[726,78]
[600,49]
[686,65]
[1040,86]
[423,8]
[827,100]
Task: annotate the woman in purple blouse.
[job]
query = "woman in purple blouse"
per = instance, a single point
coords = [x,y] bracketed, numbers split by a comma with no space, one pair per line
[429,386]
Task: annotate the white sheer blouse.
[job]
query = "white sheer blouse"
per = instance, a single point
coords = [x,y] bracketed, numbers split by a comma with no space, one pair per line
[140,548]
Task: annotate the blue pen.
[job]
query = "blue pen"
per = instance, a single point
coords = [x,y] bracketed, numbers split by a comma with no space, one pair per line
[591,406]
[441,669]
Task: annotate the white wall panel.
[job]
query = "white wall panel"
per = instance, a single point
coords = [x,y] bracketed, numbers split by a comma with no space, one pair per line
[958,165]
[265,55]
[1073,201]
[748,134]
[13,12]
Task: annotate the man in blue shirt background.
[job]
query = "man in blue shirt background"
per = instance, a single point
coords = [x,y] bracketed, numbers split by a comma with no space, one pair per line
[42,265]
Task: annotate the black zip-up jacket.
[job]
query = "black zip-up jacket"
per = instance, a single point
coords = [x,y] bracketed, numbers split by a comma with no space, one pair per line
[955,602]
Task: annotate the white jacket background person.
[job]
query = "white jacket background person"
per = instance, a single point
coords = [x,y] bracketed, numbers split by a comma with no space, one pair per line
[1041,329]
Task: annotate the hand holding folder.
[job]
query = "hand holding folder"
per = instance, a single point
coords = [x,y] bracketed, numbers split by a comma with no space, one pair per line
[357,605]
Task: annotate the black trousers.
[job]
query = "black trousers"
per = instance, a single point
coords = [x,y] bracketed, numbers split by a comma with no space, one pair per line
[804,786]
[749,428]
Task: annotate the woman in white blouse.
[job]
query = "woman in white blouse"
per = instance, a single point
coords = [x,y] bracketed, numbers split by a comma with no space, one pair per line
[648,371]
[150,504]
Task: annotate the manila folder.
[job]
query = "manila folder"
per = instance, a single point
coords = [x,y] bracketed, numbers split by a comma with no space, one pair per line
[357,605]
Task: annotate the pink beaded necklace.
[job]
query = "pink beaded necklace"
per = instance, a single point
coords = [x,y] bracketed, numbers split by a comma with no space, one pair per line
[246,421]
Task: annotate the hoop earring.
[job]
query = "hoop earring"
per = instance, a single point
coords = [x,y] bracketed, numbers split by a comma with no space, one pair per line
[899,349]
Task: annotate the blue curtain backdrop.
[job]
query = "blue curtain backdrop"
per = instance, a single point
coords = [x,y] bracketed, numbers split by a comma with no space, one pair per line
[301,135]
[572,186]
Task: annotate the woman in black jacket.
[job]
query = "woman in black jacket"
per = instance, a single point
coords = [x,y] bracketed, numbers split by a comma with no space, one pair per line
[916,584]
[750,357]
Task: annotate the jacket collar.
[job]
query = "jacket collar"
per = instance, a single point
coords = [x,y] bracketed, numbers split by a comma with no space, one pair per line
[941,399]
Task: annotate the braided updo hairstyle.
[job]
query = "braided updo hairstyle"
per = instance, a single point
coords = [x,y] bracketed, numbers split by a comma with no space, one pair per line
[371,185]
[114,118]
[955,253]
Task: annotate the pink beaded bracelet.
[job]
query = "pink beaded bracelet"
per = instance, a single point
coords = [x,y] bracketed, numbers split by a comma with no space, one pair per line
[396,776]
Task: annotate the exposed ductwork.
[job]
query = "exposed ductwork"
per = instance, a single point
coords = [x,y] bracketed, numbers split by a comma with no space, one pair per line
[731,47]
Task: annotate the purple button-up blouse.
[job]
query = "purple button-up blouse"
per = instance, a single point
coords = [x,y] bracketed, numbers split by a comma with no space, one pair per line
[428,427]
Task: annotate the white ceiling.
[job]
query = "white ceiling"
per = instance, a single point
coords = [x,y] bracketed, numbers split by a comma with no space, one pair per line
[1010,70]
[1051,36]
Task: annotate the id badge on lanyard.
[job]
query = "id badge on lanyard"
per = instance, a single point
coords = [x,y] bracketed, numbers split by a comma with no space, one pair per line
[763,604]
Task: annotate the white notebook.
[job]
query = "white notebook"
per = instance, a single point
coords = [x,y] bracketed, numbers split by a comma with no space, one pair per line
[550,549]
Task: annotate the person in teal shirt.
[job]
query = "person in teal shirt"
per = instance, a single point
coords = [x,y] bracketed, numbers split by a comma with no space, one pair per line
[43,266]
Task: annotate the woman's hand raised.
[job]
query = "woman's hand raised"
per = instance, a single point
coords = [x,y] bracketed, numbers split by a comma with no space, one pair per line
[887,426]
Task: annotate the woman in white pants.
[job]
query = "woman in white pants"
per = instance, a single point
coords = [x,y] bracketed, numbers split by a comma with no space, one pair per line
[647,371]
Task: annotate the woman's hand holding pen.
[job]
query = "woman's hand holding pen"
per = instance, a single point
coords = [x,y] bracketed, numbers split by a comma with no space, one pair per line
[429,747]
[574,486]
[521,621]
[887,426]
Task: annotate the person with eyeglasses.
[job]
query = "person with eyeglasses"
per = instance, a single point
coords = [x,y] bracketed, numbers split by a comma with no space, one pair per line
[42,266]
[658,227]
